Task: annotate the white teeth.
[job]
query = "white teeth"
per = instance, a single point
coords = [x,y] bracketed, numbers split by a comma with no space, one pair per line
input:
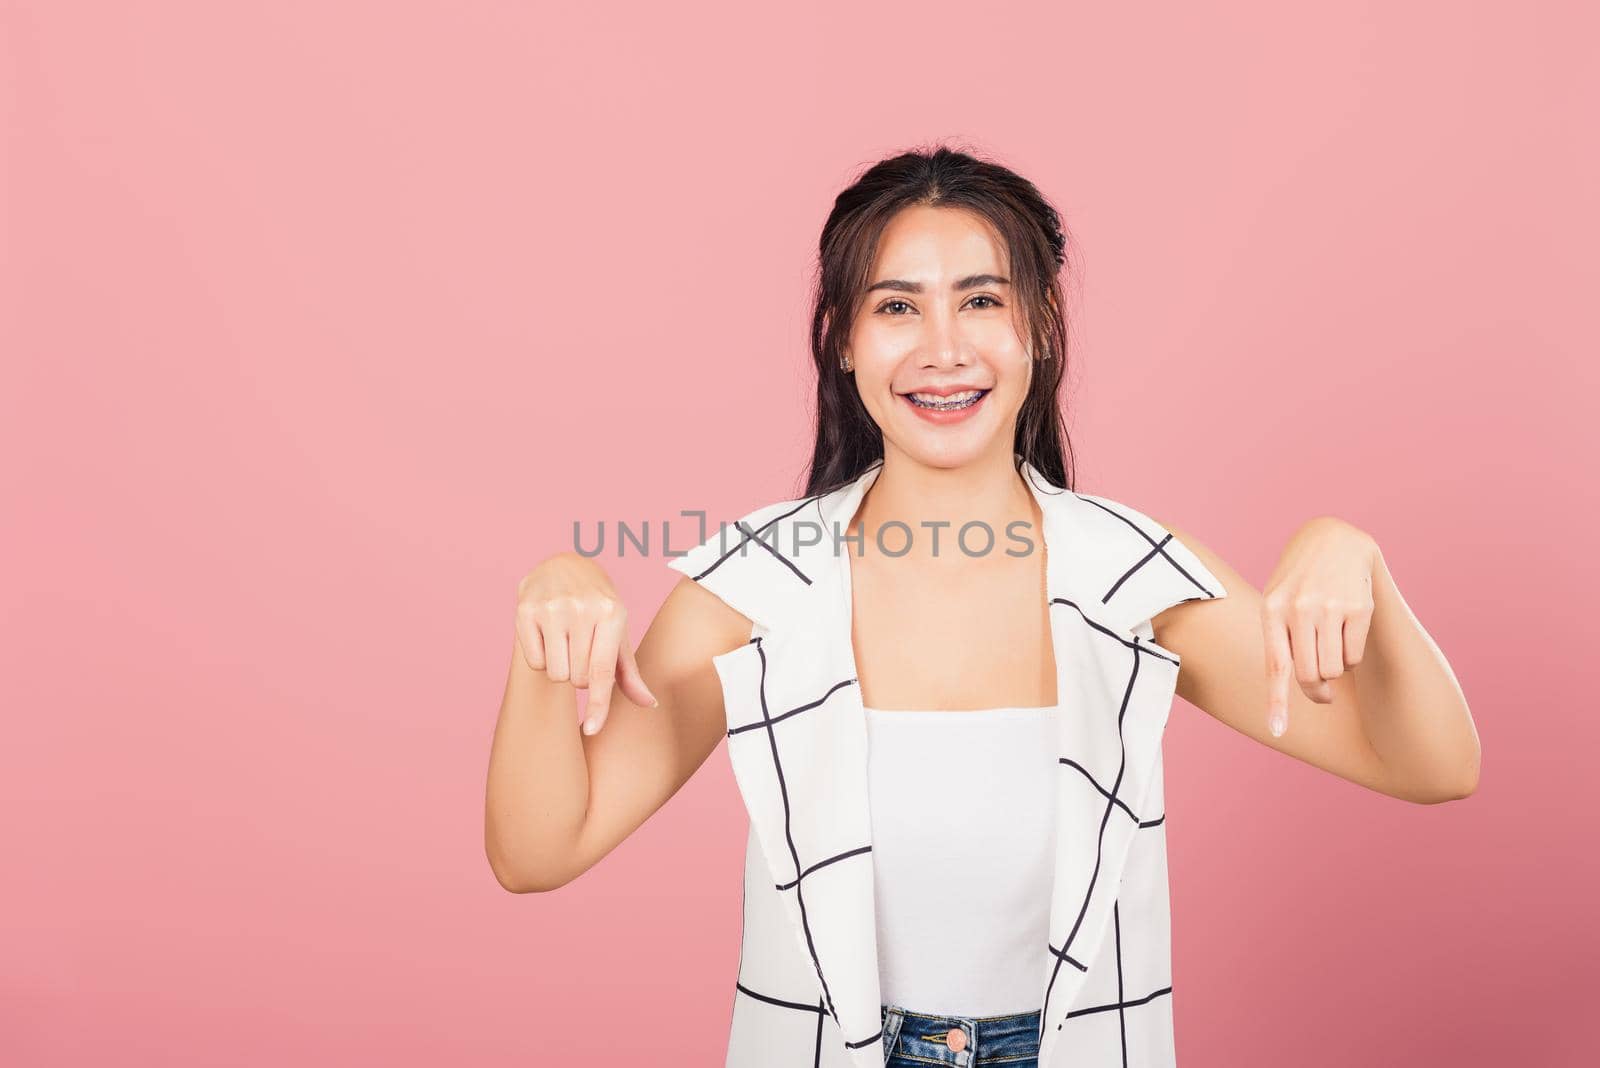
[955,400]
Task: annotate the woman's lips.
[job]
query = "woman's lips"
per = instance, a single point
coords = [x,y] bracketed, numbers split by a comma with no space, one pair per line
[946,417]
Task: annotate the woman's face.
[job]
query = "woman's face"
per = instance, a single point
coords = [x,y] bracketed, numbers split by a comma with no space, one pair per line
[937,321]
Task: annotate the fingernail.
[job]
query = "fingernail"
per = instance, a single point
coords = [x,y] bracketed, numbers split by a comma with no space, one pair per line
[1277,725]
[591,725]
[654,701]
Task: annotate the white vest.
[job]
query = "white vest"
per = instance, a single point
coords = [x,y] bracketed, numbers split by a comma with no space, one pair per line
[807,994]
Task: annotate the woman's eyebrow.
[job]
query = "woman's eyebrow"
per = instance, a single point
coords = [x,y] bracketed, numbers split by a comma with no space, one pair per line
[971,281]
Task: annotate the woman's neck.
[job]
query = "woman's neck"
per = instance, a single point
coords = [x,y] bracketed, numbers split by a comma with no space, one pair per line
[934,503]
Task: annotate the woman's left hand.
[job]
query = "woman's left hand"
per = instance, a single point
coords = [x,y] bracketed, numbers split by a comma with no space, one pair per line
[1315,612]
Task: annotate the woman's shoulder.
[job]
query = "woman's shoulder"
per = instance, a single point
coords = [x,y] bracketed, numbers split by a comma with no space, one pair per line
[734,558]
[1114,518]
[716,539]
[1135,565]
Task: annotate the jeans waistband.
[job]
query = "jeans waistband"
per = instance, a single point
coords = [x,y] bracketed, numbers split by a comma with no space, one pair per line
[927,1036]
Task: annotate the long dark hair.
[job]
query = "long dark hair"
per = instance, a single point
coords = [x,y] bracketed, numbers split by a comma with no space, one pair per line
[848,441]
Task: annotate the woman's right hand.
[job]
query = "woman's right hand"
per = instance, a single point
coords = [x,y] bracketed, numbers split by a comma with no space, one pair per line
[572,626]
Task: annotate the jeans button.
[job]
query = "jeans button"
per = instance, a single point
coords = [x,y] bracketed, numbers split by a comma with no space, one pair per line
[956,1039]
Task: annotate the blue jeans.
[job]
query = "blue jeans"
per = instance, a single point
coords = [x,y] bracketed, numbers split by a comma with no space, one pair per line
[914,1039]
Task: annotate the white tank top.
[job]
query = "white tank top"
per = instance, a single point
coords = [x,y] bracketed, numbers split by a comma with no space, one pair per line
[963,827]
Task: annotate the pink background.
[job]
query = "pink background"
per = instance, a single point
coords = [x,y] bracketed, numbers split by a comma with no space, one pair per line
[324,322]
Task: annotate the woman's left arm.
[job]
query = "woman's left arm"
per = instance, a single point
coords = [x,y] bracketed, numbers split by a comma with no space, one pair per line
[1376,701]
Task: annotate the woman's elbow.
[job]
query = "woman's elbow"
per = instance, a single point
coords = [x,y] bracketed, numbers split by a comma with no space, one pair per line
[518,880]
[522,874]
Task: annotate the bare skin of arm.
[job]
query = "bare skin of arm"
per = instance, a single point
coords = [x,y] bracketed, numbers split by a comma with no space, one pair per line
[1395,722]
[559,800]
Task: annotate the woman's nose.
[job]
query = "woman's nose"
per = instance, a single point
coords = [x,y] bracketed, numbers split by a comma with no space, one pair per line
[944,346]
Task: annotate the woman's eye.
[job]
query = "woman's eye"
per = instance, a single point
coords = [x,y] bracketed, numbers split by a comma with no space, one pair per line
[890,304]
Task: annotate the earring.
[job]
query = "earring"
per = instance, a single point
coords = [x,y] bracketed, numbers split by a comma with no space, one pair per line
[844,364]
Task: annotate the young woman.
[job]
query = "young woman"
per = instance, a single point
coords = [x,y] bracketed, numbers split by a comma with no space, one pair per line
[943,676]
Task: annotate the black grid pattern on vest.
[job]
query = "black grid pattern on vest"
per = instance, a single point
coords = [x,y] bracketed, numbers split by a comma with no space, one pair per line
[768,726]
[1113,804]
[1157,550]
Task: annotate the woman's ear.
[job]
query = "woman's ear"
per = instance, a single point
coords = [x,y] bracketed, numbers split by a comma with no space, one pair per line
[846,358]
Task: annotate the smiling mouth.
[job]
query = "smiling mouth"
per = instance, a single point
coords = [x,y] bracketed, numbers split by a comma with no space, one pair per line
[955,403]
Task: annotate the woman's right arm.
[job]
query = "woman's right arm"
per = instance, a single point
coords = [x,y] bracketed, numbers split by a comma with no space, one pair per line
[559,800]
